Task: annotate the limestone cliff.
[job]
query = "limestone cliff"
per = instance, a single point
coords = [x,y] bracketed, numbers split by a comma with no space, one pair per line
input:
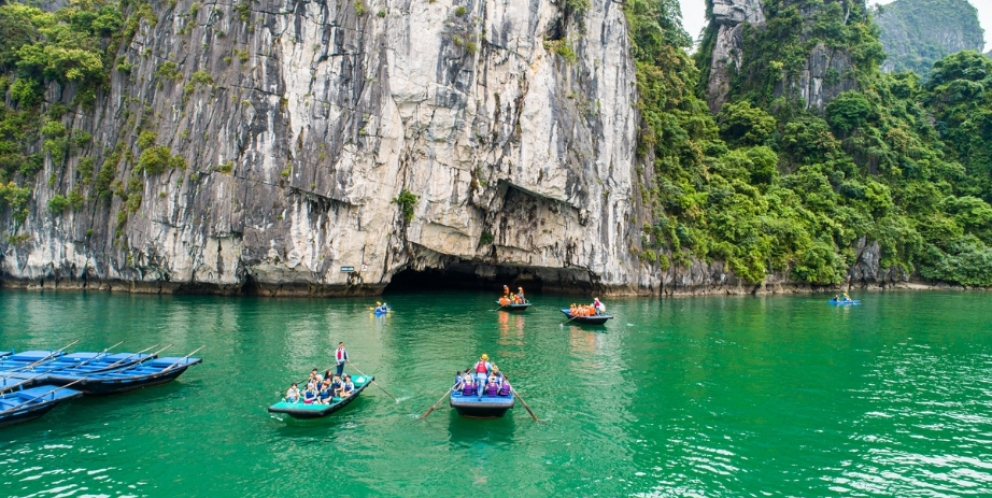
[727,19]
[917,33]
[796,49]
[319,137]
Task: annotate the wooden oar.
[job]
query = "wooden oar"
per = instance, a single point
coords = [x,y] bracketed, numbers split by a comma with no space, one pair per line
[142,360]
[570,319]
[184,358]
[373,381]
[57,352]
[29,379]
[446,394]
[531,412]
[18,407]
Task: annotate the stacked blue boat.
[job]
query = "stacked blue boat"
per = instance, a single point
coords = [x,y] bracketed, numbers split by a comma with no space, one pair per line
[32,383]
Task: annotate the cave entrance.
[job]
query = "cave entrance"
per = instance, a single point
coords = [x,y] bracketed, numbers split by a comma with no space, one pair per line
[488,278]
[464,276]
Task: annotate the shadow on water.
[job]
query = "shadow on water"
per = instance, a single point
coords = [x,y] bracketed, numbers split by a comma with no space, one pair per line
[467,432]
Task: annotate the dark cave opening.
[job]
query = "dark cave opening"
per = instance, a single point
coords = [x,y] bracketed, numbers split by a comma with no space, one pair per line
[488,278]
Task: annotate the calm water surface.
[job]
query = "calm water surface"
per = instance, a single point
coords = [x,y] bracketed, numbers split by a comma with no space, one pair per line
[735,396]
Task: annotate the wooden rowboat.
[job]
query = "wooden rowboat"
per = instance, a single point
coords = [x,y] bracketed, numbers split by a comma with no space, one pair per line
[514,307]
[314,410]
[587,320]
[146,374]
[28,404]
[481,407]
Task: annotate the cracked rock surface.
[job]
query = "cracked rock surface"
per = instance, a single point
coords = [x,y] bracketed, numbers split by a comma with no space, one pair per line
[301,123]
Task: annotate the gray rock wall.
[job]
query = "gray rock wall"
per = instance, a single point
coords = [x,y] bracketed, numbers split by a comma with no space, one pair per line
[317,115]
[729,17]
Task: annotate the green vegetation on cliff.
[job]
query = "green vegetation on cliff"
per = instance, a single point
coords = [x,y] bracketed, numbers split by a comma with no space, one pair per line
[769,185]
[918,33]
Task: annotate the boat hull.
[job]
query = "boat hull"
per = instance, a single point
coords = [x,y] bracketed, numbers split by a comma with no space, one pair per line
[843,303]
[304,411]
[125,380]
[514,307]
[484,407]
[21,406]
[587,320]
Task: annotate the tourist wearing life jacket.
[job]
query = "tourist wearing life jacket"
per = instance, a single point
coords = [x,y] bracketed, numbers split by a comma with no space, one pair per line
[468,388]
[505,388]
[347,387]
[341,356]
[492,388]
[506,291]
[504,301]
[326,394]
[310,395]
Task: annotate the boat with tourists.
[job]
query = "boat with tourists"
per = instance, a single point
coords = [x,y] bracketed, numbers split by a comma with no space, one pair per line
[481,391]
[303,409]
[471,405]
[513,302]
[841,302]
[22,405]
[590,319]
[508,306]
[151,372]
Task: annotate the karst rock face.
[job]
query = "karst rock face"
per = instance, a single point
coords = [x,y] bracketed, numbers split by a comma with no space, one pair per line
[825,72]
[728,18]
[324,136]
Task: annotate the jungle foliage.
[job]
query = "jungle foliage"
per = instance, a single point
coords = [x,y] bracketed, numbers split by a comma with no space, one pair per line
[769,185]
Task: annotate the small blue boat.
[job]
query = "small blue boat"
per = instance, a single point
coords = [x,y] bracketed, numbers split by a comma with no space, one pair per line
[514,307]
[481,407]
[146,374]
[588,320]
[28,404]
[842,302]
[379,312]
[315,410]
[27,359]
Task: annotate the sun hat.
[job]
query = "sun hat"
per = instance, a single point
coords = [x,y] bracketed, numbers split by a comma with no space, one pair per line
[485,356]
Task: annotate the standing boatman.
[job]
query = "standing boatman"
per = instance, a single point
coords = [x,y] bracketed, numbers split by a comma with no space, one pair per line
[600,307]
[341,356]
[482,369]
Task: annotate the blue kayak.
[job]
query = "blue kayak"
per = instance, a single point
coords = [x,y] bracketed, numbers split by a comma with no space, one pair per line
[850,302]
[28,404]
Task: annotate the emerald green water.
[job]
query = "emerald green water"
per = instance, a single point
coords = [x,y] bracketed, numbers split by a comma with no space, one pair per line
[733,396]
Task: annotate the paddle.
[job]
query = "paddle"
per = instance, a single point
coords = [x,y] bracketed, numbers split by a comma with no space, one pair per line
[373,381]
[562,324]
[29,379]
[531,412]
[57,352]
[184,358]
[446,394]
[17,407]
[128,357]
